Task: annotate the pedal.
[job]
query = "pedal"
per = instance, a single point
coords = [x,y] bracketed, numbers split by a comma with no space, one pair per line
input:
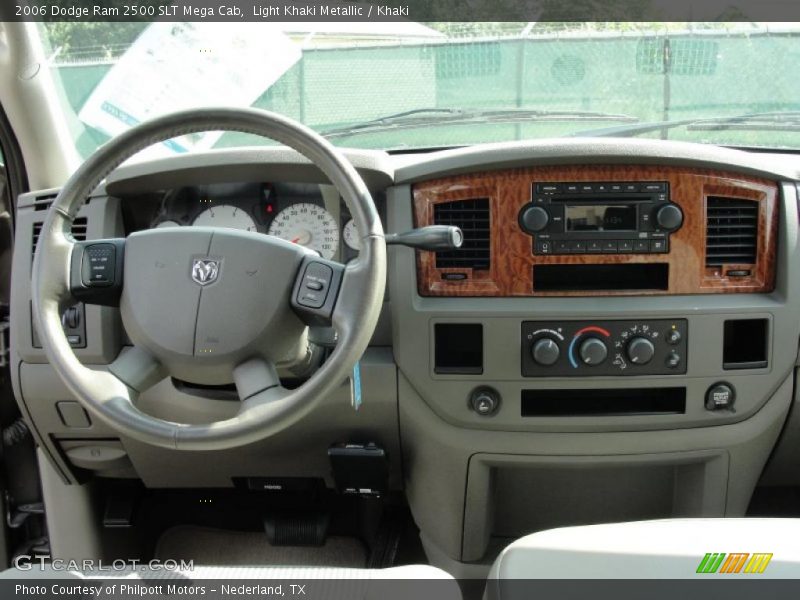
[297,530]
[16,518]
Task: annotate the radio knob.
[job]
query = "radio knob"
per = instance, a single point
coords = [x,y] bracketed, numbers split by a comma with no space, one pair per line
[593,351]
[545,351]
[640,350]
[669,217]
[534,218]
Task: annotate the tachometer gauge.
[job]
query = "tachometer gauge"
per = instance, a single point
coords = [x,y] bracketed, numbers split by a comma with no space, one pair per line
[350,235]
[226,215]
[308,225]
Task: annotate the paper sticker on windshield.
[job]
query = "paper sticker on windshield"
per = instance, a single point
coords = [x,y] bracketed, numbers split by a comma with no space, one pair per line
[177,66]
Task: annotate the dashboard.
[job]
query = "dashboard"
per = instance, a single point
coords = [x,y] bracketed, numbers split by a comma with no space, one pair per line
[615,340]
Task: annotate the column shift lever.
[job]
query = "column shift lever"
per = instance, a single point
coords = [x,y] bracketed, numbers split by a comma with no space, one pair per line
[432,237]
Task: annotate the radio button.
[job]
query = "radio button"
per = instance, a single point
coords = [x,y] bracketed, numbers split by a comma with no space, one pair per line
[654,187]
[669,217]
[534,219]
[594,247]
[548,188]
[562,247]
[641,246]
[615,187]
[659,246]
[544,247]
[609,246]
[631,187]
[572,188]
[586,188]
[645,217]
[577,247]
[625,246]
[602,187]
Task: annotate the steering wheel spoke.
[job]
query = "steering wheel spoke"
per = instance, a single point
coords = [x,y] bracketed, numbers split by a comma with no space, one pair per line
[254,376]
[316,290]
[137,369]
[96,271]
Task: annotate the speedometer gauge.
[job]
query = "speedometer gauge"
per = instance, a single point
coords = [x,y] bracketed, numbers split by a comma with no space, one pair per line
[308,225]
[225,215]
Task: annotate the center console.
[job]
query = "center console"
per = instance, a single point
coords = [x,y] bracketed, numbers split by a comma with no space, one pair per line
[605,345]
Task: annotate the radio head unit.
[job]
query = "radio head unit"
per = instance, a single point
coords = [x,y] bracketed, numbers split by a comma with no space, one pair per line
[600,218]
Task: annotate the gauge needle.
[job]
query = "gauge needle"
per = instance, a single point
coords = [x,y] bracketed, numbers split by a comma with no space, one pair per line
[303,238]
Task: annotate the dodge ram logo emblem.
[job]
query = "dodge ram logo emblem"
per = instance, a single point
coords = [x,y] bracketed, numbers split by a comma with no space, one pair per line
[205,270]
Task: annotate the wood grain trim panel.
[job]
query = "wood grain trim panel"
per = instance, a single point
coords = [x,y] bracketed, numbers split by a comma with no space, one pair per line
[512,258]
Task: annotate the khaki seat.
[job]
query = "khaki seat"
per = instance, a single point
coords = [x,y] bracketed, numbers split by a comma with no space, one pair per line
[663,549]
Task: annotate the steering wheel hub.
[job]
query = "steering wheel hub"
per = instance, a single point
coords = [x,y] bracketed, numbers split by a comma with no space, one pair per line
[201,300]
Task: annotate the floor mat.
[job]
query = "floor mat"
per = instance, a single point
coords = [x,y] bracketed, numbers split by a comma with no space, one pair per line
[209,546]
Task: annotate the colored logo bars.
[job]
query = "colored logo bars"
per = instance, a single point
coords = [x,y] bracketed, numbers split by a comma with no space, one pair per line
[721,563]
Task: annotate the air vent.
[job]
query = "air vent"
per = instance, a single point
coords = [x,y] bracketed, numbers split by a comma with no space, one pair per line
[731,231]
[472,216]
[79,226]
[43,202]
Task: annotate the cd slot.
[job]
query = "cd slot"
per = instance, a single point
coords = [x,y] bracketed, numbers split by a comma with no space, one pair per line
[603,402]
[612,277]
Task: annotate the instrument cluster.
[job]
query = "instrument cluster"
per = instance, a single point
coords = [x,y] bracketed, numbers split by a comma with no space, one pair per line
[297,213]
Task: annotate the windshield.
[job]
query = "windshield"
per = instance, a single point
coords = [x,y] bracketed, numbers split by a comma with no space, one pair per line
[402,85]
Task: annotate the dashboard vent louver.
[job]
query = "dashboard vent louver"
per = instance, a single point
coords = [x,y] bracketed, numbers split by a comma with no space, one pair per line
[472,216]
[731,231]
[79,226]
[43,202]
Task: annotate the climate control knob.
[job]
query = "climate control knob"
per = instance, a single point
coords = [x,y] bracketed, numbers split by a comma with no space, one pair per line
[545,351]
[640,350]
[534,219]
[593,351]
[669,217]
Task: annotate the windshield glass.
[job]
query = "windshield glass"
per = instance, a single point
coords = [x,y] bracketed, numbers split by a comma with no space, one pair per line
[403,85]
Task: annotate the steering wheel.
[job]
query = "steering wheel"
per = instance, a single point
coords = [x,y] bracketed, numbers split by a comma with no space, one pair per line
[208,305]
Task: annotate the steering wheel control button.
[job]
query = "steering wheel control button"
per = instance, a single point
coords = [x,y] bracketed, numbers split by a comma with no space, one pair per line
[593,351]
[485,401]
[720,396]
[545,351]
[315,284]
[98,267]
[640,350]
[95,275]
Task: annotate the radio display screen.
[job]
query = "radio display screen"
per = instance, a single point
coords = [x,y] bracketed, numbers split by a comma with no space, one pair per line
[601,217]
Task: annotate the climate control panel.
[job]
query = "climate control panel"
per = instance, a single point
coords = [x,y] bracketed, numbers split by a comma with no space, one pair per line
[604,348]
